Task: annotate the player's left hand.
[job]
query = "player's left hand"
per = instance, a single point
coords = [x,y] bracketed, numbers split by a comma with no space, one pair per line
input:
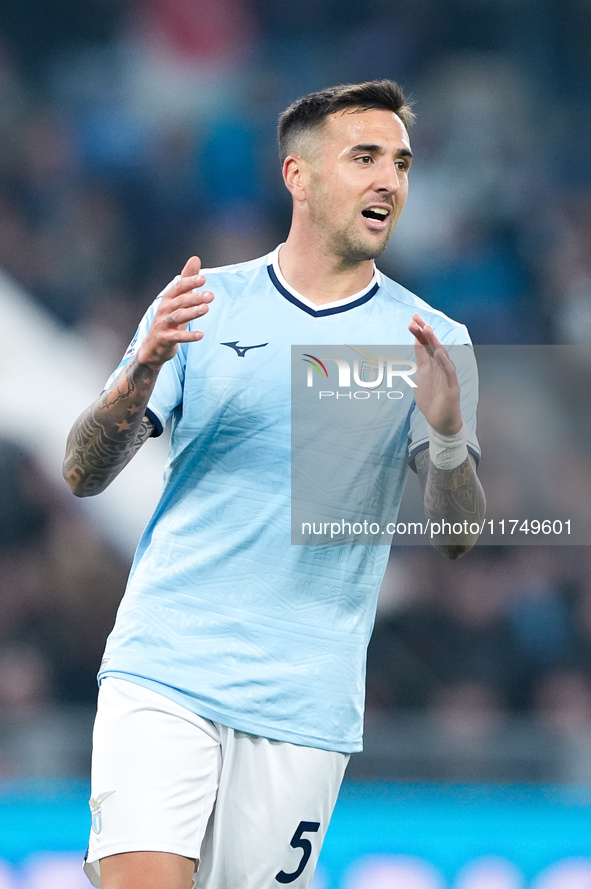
[438,391]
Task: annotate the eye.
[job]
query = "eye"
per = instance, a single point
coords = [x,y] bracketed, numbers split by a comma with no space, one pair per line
[364,159]
[403,165]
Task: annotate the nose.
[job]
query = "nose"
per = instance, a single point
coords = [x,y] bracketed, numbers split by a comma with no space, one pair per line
[389,179]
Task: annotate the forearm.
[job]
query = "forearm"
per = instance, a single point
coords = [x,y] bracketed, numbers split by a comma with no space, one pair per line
[107,435]
[454,496]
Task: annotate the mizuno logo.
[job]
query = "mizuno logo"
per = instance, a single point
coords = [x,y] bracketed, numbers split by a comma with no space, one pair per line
[242,350]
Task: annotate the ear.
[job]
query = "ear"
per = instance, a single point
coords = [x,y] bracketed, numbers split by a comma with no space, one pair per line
[295,170]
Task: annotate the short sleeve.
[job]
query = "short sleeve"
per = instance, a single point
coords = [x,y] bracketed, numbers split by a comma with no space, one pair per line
[168,391]
[467,370]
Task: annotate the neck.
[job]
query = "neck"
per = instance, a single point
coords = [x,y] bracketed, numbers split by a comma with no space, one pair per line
[321,276]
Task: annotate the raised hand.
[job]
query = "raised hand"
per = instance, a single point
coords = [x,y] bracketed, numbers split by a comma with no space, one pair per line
[181,302]
[107,435]
[438,390]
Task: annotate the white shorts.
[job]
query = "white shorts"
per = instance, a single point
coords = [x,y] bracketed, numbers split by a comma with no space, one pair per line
[250,811]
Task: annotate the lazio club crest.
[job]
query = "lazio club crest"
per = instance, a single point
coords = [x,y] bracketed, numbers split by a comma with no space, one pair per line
[95,809]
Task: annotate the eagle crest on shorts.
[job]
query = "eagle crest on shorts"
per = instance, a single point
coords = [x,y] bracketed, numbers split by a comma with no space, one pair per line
[95,809]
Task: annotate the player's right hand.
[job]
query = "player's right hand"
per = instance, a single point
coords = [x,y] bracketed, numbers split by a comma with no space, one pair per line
[181,302]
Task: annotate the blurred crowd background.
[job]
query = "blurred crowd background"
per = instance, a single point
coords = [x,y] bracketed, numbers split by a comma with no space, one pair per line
[134,133]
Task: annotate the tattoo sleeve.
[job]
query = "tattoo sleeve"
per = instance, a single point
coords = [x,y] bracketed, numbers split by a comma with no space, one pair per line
[454,496]
[108,434]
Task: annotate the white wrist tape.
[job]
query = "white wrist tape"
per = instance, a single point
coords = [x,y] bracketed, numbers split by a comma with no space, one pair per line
[448,451]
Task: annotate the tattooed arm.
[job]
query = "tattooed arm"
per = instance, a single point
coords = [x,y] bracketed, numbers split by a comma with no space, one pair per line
[449,495]
[107,435]
[452,495]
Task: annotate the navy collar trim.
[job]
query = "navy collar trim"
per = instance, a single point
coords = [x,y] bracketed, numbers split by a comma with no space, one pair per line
[320,313]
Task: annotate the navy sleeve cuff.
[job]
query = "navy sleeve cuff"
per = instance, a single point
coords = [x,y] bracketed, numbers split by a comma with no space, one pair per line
[158,427]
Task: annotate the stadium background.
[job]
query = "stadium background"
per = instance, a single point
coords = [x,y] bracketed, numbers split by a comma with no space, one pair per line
[134,133]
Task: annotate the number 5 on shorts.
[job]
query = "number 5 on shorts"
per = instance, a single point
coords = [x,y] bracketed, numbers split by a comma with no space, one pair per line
[299,842]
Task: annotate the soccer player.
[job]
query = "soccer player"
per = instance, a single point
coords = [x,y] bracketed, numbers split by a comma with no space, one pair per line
[232,687]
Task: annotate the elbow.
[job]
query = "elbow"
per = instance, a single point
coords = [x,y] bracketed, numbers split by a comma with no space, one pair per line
[455,551]
[77,489]
[78,482]
[82,491]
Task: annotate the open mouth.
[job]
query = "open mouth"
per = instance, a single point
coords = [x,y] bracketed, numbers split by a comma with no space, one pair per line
[379,214]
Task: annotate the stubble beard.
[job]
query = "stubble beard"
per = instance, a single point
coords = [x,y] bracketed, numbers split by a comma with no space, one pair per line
[348,245]
[346,242]
[352,249]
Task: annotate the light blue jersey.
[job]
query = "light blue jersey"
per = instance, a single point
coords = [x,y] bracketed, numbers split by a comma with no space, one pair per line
[221,613]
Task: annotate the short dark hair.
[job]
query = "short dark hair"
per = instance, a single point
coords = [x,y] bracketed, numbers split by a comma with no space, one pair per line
[310,111]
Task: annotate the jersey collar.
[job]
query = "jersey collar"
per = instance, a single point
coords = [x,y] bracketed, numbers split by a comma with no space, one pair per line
[334,308]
